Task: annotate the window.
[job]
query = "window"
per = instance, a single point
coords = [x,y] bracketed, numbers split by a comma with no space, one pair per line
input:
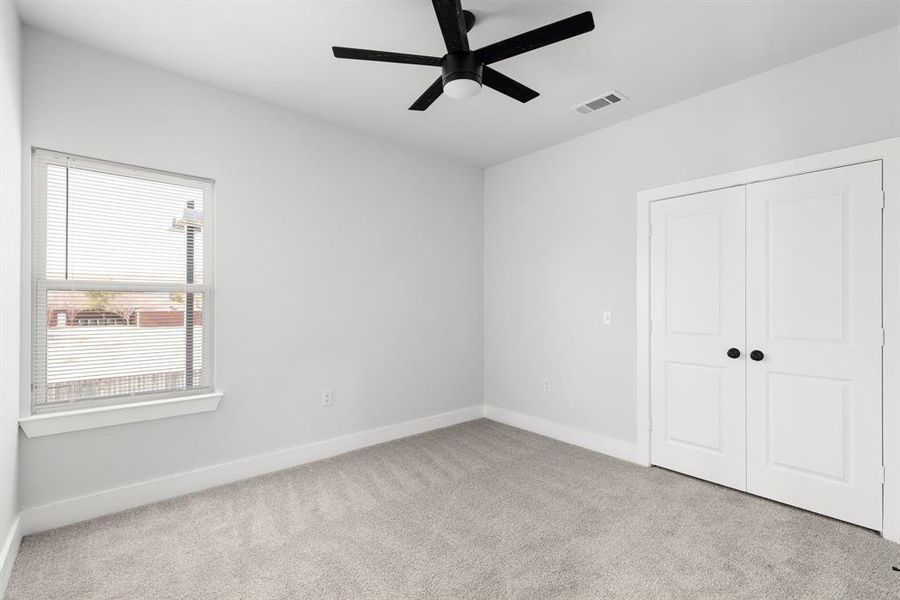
[122,286]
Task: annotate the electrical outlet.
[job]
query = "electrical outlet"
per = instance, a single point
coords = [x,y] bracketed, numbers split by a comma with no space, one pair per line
[327,397]
[547,386]
[607,317]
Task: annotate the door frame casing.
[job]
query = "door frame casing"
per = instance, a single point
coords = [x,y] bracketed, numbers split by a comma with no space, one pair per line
[888,152]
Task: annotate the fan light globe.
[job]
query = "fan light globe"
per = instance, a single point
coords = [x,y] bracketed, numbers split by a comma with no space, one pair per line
[462,88]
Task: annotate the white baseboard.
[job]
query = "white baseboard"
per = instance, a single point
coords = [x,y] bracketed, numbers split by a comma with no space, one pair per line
[565,433]
[73,510]
[8,553]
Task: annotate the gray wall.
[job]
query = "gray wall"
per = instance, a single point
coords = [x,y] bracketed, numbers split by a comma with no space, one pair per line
[10,192]
[343,262]
[560,223]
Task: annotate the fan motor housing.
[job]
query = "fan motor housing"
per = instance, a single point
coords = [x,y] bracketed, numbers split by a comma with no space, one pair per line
[461,65]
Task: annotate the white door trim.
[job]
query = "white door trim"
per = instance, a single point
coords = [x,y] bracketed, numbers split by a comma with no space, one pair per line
[887,151]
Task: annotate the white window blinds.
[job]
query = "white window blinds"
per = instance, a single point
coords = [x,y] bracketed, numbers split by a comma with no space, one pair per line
[122,298]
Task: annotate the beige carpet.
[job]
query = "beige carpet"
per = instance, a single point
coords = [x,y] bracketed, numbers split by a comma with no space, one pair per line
[479,510]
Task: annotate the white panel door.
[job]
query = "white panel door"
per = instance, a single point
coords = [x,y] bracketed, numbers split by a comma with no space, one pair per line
[697,315]
[814,312]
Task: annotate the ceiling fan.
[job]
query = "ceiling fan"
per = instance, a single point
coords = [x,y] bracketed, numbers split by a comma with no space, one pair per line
[464,71]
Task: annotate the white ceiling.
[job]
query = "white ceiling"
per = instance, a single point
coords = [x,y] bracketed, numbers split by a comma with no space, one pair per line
[654,52]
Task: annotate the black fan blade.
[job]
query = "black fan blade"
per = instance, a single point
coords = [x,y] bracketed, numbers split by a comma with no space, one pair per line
[382,56]
[430,95]
[453,24]
[505,85]
[537,38]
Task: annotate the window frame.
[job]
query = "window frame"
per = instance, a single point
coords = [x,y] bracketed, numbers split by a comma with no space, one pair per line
[40,285]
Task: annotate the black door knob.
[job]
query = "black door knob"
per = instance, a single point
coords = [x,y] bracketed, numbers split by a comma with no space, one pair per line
[757,355]
[734,353]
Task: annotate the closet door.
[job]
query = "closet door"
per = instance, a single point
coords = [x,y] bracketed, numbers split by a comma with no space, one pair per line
[697,316]
[814,317]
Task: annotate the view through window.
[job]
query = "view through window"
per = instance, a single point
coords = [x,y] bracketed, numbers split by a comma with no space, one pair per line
[121,301]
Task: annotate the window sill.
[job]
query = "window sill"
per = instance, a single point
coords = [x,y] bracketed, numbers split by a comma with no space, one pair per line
[105,416]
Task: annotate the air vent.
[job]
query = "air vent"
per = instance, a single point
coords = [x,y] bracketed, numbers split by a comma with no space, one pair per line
[603,101]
